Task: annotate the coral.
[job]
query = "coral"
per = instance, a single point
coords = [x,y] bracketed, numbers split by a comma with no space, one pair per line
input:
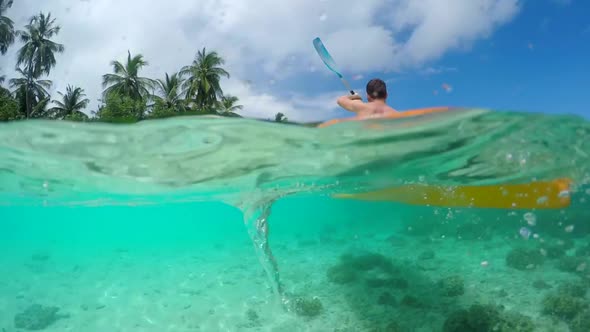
[581,323]
[583,251]
[575,289]
[572,264]
[308,307]
[391,327]
[524,259]
[253,319]
[554,249]
[386,299]
[563,306]
[515,322]
[473,231]
[541,284]
[412,301]
[368,261]
[487,318]
[350,267]
[390,282]
[341,274]
[452,286]
[427,254]
[476,318]
[37,317]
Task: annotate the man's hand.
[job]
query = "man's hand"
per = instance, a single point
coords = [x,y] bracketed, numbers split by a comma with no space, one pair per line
[355,96]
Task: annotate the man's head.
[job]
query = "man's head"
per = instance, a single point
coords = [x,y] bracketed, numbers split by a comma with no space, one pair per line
[376,90]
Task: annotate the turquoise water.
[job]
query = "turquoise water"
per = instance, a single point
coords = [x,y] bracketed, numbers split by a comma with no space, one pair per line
[217,224]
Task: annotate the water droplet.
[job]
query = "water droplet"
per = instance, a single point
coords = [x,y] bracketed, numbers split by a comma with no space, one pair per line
[530,218]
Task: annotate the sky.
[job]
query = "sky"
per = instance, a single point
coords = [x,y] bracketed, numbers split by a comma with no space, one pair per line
[519,55]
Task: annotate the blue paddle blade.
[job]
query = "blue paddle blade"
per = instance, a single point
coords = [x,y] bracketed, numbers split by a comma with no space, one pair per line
[325,56]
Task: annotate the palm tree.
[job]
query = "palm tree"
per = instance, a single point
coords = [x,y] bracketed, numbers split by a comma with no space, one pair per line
[73,102]
[168,88]
[280,117]
[204,74]
[6,27]
[31,92]
[228,106]
[38,52]
[126,81]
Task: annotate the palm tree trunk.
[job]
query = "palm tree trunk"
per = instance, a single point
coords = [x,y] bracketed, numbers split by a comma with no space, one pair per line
[27,94]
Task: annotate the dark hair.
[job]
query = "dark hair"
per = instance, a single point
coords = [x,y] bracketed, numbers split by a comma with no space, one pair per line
[377,89]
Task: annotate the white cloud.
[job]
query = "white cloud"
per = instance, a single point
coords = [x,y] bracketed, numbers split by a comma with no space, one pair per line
[261,40]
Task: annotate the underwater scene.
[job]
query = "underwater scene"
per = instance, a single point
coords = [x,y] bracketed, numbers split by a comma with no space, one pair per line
[467,220]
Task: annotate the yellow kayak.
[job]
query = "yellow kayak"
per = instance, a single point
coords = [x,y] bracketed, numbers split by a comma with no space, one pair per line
[553,194]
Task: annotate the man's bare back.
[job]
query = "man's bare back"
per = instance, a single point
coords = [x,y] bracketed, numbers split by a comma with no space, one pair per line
[375,107]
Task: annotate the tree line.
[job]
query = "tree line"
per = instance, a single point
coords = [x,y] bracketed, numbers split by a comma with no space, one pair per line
[127,96]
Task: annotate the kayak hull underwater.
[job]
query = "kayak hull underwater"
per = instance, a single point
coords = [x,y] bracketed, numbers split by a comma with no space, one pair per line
[549,194]
[552,194]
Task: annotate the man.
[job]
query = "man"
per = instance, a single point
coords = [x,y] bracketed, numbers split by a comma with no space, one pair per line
[376,105]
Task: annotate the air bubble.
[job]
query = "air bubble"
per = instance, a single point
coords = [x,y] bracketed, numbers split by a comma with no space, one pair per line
[564,193]
[525,233]
[542,200]
[530,218]
[569,228]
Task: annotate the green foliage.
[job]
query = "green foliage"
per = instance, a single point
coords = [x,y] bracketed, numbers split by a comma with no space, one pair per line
[126,94]
[202,85]
[121,109]
[31,94]
[71,105]
[77,117]
[8,107]
[228,106]
[6,27]
[125,79]
[37,55]
[162,110]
